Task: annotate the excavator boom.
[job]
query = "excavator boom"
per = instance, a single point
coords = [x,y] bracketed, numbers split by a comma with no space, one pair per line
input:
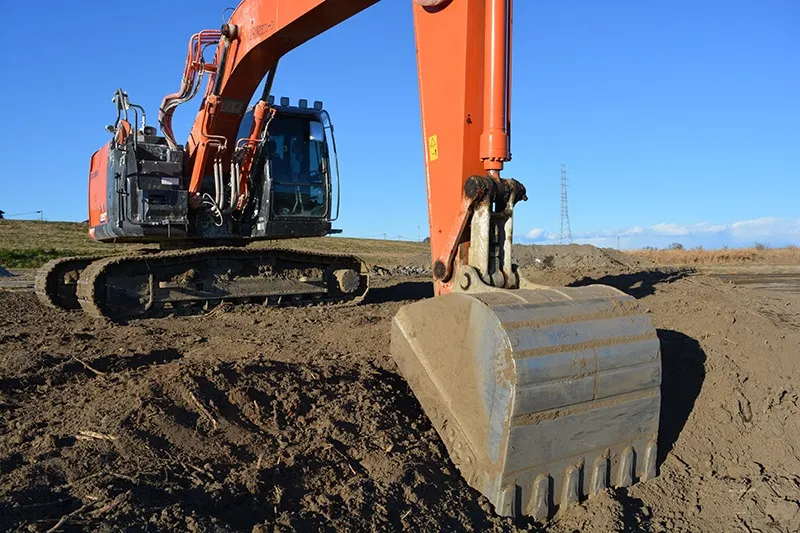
[464,66]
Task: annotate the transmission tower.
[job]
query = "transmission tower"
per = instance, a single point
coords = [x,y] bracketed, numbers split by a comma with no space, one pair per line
[565,237]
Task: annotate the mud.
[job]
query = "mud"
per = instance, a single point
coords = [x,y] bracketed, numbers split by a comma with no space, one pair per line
[264,419]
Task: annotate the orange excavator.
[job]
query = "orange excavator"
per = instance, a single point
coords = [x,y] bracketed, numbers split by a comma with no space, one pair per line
[542,396]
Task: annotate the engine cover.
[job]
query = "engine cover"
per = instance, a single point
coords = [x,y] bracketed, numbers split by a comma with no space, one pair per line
[138,190]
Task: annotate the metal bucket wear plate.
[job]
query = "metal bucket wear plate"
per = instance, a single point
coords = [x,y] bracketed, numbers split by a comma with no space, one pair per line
[541,396]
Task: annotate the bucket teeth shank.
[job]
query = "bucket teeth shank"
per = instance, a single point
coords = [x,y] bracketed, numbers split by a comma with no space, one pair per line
[650,461]
[540,508]
[599,475]
[540,395]
[625,474]
[571,487]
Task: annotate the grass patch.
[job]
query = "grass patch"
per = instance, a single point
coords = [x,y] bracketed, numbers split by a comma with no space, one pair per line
[759,255]
[64,236]
[30,244]
[31,258]
[373,251]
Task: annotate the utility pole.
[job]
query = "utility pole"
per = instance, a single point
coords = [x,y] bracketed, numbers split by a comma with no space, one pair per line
[565,237]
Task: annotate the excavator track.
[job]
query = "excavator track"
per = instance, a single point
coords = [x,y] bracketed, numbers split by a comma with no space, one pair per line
[187,281]
[57,281]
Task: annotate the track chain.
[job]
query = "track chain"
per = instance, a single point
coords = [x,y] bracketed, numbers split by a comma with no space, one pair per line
[47,283]
[92,280]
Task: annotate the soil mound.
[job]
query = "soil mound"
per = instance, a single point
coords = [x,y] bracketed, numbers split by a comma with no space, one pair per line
[542,257]
[417,265]
[558,256]
[263,419]
[421,260]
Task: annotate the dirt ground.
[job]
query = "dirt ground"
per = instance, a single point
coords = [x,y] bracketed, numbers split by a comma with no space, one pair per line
[264,419]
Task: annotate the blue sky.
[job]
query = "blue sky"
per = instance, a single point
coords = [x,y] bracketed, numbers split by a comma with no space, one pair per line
[678,120]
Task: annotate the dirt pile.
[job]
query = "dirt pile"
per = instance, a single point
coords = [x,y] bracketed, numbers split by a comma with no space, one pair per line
[262,419]
[569,256]
[401,270]
[574,258]
[730,431]
[290,422]
[421,260]
[416,265]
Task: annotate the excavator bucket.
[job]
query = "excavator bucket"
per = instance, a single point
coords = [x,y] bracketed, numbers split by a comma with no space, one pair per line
[542,396]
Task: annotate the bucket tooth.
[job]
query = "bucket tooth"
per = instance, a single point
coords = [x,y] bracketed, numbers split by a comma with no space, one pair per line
[599,475]
[625,474]
[510,502]
[540,502]
[571,485]
[649,470]
[536,392]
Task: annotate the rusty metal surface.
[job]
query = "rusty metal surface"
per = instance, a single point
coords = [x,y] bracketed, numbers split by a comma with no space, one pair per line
[542,396]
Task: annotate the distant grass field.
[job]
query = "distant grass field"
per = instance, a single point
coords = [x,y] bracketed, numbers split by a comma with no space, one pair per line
[735,256]
[30,244]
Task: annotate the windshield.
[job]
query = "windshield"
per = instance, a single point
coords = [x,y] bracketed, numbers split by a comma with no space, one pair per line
[296,168]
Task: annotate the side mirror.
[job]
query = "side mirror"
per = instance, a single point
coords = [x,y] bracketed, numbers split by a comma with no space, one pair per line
[316,131]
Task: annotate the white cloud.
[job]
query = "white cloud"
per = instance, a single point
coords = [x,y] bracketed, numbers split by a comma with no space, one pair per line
[771,230]
[536,234]
[763,221]
[668,229]
[764,228]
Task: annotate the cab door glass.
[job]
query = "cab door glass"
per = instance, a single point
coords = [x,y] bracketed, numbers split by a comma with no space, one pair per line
[299,187]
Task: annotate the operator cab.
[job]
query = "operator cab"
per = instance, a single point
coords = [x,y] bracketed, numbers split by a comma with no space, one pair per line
[295,163]
[295,172]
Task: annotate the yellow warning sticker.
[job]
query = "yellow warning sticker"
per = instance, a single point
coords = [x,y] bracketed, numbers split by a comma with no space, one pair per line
[433,148]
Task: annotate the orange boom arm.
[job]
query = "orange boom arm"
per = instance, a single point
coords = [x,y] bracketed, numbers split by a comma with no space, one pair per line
[463,56]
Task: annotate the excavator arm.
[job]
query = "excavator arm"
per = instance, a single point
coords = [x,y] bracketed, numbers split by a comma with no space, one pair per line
[540,395]
[464,65]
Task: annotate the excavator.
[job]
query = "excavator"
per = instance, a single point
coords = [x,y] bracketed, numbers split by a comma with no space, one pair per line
[542,396]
